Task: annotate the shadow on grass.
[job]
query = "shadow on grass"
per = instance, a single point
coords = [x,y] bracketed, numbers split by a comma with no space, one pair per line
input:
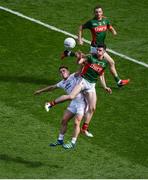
[26,79]
[33,164]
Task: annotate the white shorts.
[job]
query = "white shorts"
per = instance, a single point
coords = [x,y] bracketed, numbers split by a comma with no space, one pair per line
[93,50]
[86,85]
[77,107]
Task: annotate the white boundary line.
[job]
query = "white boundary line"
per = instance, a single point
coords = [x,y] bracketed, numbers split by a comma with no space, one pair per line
[69,34]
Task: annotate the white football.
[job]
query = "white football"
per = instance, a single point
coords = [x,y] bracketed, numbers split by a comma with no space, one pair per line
[69,43]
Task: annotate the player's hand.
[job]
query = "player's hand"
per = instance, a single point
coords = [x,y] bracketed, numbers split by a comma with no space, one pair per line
[109,90]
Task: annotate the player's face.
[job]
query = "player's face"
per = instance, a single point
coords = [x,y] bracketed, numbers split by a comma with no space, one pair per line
[99,13]
[100,52]
[64,73]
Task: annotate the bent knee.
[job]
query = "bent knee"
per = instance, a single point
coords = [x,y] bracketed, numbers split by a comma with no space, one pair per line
[92,109]
[77,124]
[71,97]
[64,122]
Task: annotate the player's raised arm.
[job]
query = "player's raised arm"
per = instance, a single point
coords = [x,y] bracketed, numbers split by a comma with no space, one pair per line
[46,89]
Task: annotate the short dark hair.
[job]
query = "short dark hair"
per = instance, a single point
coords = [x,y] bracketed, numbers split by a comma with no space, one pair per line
[97,7]
[101,46]
[65,67]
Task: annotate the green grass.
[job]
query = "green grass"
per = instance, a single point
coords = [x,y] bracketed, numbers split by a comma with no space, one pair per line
[29,56]
[128,17]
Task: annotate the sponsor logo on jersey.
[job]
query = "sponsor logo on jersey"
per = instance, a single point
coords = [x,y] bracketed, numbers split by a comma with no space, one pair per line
[97,68]
[100,28]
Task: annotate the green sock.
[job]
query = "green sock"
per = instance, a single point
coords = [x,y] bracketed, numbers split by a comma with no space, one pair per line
[72,54]
[117,79]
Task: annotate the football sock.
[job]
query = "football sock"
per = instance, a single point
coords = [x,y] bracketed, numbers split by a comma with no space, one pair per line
[72,54]
[117,79]
[85,126]
[74,139]
[52,103]
[69,53]
[61,137]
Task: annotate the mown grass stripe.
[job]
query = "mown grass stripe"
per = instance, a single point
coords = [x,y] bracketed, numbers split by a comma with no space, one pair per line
[72,35]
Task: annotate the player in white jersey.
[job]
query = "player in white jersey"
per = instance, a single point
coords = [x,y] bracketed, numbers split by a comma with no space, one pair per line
[76,108]
[77,105]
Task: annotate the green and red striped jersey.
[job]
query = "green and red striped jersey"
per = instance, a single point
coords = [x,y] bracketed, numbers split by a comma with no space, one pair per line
[98,29]
[93,68]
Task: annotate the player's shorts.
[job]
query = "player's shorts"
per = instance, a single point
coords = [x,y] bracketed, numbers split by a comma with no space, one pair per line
[77,107]
[86,85]
[93,50]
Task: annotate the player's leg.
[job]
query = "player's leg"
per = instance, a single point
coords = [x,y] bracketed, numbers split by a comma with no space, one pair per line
[91,100]
[64,122]
[120,82]
[76,132]
[63,98]
[79,109]
[77,122]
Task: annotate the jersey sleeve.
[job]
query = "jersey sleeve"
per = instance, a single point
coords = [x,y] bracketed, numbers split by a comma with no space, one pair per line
[109,26]
[87,25]
[60,84]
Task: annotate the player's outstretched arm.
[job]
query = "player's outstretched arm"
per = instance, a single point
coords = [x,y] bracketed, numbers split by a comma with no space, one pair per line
[46,89]
[103,83]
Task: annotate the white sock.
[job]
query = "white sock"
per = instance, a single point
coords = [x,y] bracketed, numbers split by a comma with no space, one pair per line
[74,139]
[61,137]
[119,81]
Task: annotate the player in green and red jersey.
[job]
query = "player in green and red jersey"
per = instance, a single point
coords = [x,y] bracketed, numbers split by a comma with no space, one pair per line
[98,26]
[94,66]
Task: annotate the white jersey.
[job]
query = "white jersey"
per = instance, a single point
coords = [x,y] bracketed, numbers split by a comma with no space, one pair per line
[79,104]
[69,84]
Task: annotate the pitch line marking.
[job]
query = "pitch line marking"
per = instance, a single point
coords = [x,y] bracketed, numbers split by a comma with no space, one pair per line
[69,34]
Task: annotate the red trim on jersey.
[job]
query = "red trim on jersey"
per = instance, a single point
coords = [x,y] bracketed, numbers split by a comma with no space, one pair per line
[96,67]
[84,69]
[93,33]
[109,27]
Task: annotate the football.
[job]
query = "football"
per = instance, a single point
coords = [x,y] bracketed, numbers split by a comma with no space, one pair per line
[69,43]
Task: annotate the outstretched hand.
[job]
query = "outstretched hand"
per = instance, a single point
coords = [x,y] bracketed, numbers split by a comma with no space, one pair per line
[109,90]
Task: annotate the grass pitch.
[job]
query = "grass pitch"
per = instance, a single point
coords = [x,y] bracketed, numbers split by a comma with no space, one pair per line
[29,56]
